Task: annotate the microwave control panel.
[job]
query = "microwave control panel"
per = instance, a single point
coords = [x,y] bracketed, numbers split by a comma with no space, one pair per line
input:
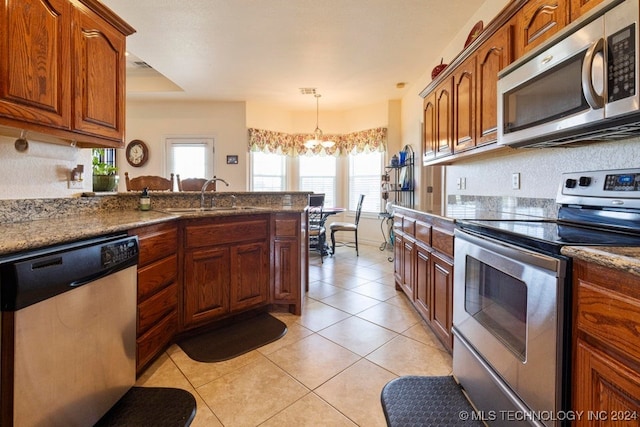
[621,70]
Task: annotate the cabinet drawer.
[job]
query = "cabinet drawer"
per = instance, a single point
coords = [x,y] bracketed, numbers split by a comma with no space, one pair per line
[155,308]
[197,235]
[155,276]
[610,316]
[409,226]
[423,232]
[286,226]
[442,241]
[153,342]
[156,242]
[397,222]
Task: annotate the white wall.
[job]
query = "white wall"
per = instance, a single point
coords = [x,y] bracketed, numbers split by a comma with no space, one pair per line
[153,121]
[42,171]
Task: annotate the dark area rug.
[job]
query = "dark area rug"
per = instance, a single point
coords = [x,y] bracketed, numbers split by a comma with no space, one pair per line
[151,406]
[233,340]
[421,401]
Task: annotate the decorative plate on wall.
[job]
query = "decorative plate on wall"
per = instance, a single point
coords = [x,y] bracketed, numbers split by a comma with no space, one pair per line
[137,153]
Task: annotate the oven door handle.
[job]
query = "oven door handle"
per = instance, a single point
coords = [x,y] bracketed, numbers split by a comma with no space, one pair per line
[510,251]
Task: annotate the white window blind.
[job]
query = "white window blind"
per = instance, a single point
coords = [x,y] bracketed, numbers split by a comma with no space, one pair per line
[365,170]
[318,174]
[268,172]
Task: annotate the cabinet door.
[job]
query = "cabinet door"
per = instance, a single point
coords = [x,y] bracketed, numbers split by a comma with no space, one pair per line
[398,258]
[444,116]
[286,272]
[249,275]
[35,79]
[580,7]
[206,284]
[605,389]
[538,20]
[423,281]
[442,298]
[408,280]
[464,87]
[99,77]
[493,56]
[429,130]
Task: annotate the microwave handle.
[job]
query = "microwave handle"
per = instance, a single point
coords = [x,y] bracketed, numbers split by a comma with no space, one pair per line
[594,99]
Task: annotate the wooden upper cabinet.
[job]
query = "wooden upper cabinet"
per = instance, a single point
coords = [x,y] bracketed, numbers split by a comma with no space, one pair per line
[580,7]
[492,56]
[429,128]
[62,71]
[444,118]
[464,86]
[35,78]
[538,20]
[99,78]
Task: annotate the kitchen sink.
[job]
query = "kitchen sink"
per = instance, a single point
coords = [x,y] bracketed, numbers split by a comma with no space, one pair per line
[210,209]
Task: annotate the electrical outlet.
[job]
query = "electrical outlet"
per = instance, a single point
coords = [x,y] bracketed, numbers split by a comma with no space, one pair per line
[515,181]
[76,185]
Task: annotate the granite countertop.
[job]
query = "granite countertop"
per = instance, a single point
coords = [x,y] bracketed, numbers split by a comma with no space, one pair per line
[28,235]
[620,258]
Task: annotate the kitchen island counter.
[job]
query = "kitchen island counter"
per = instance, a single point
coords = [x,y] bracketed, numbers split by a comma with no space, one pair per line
[29,235]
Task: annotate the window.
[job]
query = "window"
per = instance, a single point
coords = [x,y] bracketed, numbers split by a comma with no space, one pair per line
[268,172]
[190,157]
[365,170]
[318,174]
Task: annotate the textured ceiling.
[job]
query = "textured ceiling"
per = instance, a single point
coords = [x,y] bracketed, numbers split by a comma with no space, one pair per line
[353,51]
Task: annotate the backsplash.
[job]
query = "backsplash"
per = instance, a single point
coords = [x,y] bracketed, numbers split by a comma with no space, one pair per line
[463,206]
[20,210]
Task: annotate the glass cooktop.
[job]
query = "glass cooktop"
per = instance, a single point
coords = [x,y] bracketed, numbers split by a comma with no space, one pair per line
[549,235]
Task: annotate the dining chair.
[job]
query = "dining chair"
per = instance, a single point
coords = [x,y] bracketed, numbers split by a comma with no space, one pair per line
[154,183]
[194,184]
[347,226]
[317,230]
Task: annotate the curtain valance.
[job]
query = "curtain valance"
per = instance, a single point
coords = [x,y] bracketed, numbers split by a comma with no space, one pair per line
[293,144]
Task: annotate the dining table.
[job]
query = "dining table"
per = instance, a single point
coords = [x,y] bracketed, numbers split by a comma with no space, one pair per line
[326,213]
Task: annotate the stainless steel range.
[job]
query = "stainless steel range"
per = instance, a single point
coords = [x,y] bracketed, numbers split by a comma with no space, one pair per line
[512,294]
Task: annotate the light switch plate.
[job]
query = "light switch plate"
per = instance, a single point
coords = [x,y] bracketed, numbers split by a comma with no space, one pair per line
[515,181]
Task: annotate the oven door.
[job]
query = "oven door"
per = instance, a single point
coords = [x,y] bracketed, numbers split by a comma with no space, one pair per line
[508,308]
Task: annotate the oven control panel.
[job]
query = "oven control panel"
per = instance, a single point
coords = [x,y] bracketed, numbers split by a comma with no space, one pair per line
[619,187]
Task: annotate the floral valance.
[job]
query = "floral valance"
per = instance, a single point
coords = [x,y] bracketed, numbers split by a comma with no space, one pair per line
[294,144]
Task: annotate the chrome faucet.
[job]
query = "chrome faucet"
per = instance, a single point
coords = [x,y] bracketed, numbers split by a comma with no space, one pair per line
[204,188]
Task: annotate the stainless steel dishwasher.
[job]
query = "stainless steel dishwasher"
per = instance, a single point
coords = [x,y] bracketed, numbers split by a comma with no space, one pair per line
[68,340]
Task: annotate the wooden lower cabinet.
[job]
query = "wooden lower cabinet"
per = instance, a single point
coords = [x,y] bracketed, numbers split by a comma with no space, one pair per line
[226,267]
[423,267]
[157,290]
[289,259]
[606,345]
[442,298]
[423,280]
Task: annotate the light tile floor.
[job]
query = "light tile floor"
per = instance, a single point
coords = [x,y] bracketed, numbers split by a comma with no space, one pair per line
[356,334]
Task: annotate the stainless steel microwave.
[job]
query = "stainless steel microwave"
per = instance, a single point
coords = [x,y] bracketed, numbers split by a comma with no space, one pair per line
[581,85]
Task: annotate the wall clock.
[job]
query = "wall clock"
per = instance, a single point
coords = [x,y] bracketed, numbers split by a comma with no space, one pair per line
[137,153]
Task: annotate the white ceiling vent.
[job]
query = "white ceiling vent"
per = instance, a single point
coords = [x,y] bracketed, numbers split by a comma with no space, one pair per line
[141,64]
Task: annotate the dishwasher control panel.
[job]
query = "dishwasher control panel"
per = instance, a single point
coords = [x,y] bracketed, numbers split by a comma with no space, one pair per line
[115,253]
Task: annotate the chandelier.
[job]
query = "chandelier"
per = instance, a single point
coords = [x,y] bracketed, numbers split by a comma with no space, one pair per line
[317,134]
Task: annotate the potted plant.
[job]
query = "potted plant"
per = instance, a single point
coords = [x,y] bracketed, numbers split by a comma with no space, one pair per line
[105,176]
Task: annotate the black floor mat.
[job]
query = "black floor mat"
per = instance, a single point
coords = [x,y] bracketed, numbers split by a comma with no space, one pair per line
[233,340]
[421,401]
[151,407]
